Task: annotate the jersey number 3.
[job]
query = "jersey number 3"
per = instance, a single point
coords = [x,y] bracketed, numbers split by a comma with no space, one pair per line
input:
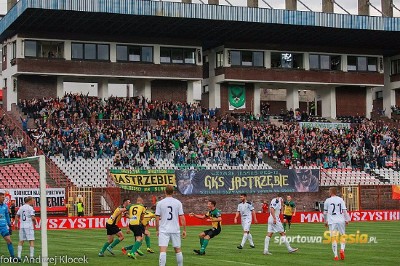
[170,213]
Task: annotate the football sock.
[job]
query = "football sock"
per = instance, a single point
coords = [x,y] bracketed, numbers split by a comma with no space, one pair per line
[19,251]
[289,223]
[31,251]
[163,258]
[287,244]
[147,239]
[245,235]
[250,238]
[284,226]
[104,247]
[334,248]
[116,241]
[342,246]
[201,242]
[266,243]
[129,247]
[136,246]
[203,247]
[11,249]
[179,258]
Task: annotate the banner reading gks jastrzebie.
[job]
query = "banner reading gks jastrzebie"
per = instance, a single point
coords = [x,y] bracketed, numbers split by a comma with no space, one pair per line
[209,182]
[143,180]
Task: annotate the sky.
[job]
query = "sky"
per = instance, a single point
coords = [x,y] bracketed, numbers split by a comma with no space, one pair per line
[315,5]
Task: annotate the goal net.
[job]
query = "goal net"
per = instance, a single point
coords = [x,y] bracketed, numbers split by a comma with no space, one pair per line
[20,178]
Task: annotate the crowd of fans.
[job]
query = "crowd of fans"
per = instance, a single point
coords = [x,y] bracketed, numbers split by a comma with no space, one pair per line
[396,109]
[134,130]
[10,146]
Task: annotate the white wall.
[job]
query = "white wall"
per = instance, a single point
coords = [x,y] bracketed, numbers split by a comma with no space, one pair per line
[116,90]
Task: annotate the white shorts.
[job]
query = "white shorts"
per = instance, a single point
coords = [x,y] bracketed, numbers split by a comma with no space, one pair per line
[246,224]
[337,227]
[275,228]
[26,234]
[163,239]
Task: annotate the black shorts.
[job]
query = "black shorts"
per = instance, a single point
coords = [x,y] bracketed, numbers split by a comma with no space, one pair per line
[112,229]
[287,217]
[212,232]
[138,230]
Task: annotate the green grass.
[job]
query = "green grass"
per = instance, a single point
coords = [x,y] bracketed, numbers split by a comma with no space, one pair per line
[222,249]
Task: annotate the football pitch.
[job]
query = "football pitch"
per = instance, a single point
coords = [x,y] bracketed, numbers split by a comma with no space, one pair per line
[222,250]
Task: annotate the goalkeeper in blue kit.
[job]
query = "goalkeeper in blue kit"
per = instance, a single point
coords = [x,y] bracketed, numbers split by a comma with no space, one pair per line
[5,225]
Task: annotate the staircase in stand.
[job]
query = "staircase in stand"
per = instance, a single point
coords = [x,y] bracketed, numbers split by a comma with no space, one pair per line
[54,176]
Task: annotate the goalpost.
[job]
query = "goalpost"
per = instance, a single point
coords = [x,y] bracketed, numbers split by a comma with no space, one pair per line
[40,162]
[43,209]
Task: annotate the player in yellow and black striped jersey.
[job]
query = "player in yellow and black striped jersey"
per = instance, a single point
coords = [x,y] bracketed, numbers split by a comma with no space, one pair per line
[136,214]
[289,211]
[113,229]
[148,216]
[214,216]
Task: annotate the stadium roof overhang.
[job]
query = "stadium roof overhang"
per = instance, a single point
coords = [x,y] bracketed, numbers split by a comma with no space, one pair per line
[209,25]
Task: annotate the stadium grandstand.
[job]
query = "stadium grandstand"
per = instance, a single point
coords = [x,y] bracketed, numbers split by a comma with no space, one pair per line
[197,88]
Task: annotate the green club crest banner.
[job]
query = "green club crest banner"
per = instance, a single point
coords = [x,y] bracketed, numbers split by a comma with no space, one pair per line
[237,97]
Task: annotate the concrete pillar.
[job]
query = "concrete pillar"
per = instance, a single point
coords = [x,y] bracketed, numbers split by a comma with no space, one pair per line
[315,112]
[389,99]
[368,102]
[363,7]
[267,59]
[10,4]
[389,95]
[306,61]
[213,2]
[193,91]
[292,98]
[102,89]
[11,92]
[387,7]
[327,6]
[156,54]
[212,61]
[214,95]
[67,49]
[143,88]
[344,63]
[257,99]
[291,4]
[113,52]
[252,3]
[60,86]
[187,1]
[328,98]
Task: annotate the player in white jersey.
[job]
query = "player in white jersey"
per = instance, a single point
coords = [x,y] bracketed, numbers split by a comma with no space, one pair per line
[26,220]
[246,211]
[336,217]
[167,225]
[275,225]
